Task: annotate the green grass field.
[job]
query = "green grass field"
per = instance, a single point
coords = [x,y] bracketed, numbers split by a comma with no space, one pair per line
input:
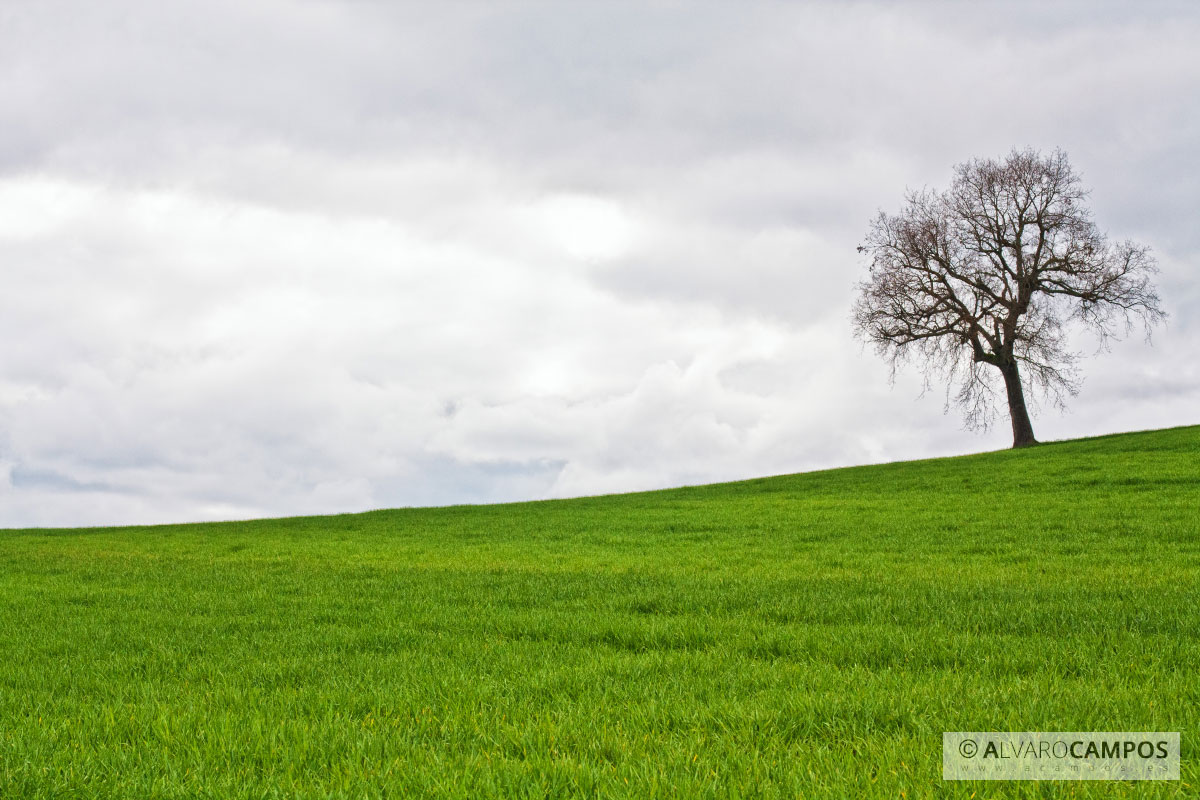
[806,636]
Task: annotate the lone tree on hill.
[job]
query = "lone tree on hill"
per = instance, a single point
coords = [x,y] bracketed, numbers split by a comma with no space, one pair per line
[991,273]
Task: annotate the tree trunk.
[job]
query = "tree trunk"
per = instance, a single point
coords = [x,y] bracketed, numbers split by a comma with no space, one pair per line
[1022,427]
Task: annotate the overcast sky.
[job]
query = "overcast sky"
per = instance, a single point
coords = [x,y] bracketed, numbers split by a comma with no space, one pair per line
[273,258]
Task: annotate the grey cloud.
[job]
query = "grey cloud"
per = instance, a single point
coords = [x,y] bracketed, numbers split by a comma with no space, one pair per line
[253,252]
[22,478]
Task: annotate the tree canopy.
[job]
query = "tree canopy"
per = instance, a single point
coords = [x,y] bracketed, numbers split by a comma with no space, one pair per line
[981,283]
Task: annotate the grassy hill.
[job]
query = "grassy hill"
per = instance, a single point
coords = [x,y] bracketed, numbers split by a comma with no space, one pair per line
[802,636]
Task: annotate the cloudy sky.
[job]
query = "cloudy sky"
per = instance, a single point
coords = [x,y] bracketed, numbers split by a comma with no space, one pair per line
[272,258]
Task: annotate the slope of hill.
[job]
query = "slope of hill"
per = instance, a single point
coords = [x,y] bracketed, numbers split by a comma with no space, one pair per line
[801,636]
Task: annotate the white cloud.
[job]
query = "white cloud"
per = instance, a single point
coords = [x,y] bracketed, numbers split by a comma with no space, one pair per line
[278,259]
[586,228]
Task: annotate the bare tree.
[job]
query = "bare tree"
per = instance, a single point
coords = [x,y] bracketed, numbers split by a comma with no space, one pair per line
[991,274]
